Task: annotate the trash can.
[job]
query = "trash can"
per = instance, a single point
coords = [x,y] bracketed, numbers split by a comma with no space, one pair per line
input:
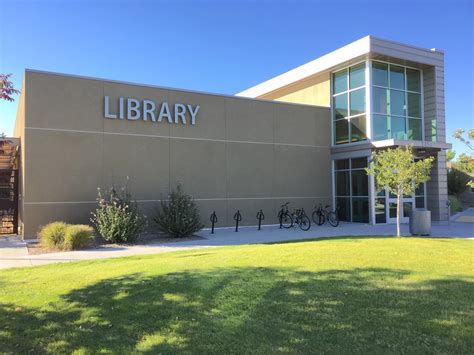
[420,221]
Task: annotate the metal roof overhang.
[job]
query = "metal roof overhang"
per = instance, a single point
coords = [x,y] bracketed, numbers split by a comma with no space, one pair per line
[420,148]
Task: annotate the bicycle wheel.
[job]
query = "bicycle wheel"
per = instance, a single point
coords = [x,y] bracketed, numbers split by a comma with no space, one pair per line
[286,220]
[318,218]
[333,219]
[304,222]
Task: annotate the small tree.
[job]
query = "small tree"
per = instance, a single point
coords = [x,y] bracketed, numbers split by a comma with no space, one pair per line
[179,216]
[465,162]
[396,170]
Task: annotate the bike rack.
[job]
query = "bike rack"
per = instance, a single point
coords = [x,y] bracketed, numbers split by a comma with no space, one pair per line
[213,220]
[260,217]
[237,219]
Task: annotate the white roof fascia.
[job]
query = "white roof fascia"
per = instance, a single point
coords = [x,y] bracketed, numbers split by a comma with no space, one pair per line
[341,55]
[363,46]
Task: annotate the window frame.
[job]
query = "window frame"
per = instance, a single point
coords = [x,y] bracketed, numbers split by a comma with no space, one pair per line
[367,92]
[350,196]
[406,92]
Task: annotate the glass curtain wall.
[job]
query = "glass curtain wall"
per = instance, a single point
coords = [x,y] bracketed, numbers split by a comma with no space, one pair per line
[348,103]
[396,102]
[352,189]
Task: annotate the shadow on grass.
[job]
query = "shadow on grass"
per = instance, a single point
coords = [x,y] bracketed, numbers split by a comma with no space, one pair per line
[250,310]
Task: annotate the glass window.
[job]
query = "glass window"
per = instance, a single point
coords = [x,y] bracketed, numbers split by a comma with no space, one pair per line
[352,189]
[359,163]
[380,74]
[397,103]
[420,190]
[414,129]
[357,76]
[392,210]
[402,99]
[358,129]
[380,215]
[413,80]
[434,130]
[407,207]
[341,164]
[380,127]
[397,77]
[349,104]
[344,213]
[397,128]
[342,131]
[340,81]
[357,102]
[414,105]
[379,97]
[360,209]
[360,186]
[340,106]
[342,183]
[420,202]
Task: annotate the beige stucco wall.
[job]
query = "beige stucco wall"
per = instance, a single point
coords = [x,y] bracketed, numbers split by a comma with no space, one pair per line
[242,153]
[314,90]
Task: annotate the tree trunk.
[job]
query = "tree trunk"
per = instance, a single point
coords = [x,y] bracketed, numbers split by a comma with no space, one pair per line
[399,195]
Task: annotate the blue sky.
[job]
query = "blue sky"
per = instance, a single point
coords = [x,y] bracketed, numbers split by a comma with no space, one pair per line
[225,46]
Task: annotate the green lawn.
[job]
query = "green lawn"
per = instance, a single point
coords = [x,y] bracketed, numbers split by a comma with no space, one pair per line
[345,295]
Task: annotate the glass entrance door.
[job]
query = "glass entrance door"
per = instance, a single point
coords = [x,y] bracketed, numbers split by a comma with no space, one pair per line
[408,203]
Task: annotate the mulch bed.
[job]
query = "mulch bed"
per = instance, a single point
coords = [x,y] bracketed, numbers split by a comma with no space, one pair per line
[36,248]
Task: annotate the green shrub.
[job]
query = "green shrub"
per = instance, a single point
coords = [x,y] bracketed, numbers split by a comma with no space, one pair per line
[117,219]
[457,181]
[179,217]
[455,203]
[52,234]
[78,236]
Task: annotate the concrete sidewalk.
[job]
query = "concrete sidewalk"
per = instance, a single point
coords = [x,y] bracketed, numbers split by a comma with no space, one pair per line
[13,251]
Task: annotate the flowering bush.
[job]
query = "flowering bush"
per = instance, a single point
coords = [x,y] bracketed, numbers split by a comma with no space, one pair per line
[117,218]
[179,216]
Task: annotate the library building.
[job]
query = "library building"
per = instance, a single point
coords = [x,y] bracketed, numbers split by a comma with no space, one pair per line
[303,137]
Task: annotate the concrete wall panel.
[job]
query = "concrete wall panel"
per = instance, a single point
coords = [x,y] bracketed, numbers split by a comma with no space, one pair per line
[62,166]
[140,163]
[77,150]
[250,170]
[200,166]
[62,102]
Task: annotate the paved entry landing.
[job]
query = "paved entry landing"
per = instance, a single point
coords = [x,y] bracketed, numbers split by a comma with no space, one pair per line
[466,216]
[14,253]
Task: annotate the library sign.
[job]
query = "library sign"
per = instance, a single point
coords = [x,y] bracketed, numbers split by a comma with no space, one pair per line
[148,110]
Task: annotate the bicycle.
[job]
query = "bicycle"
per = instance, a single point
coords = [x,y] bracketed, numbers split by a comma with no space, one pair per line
[321,215]
[293,219]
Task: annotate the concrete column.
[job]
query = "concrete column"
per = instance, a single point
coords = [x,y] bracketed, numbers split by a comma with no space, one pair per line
[437,189]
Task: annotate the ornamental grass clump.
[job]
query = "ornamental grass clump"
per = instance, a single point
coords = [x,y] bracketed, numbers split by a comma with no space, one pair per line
[117,218]
[62,236]
[78,236]
[52,234]
[179,216]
